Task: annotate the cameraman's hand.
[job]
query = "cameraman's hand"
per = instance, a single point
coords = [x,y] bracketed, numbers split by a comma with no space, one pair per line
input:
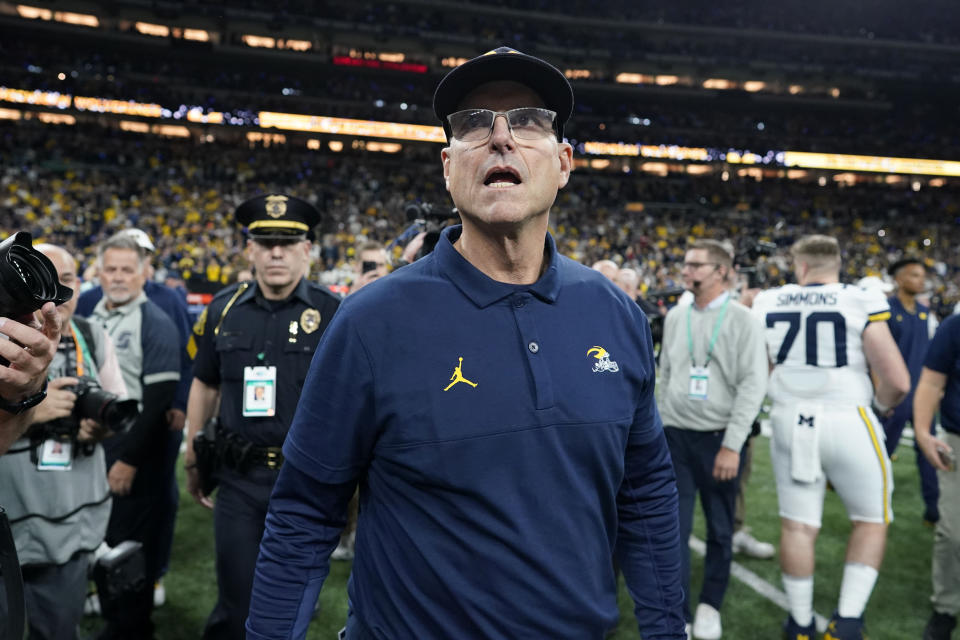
[120,477]
[92,431]
[176,419]
[29,350]
[58,403]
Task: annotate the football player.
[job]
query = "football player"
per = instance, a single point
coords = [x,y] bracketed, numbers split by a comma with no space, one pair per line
[822,336]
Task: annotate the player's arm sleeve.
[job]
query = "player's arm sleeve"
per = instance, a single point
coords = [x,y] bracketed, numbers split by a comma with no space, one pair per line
[302,528]
[648,539]
[751,383]
[160,375]
[327,449]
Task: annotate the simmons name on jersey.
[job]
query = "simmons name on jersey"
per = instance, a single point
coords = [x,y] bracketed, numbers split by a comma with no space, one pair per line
[815,340]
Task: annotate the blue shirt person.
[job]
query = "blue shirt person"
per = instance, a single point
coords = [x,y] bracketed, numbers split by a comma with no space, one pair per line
[494,402]
[910,326]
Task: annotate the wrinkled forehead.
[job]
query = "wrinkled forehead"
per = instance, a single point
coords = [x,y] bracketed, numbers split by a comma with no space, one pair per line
[500,96]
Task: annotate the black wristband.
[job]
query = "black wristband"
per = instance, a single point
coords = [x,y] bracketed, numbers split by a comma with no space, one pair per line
[16,408]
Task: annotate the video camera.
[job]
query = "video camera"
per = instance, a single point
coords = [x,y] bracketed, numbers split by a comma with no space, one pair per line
[746,262]
[28,279]
[431,219]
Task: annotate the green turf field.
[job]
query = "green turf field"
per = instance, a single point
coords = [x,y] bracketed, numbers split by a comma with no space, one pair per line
[897,611]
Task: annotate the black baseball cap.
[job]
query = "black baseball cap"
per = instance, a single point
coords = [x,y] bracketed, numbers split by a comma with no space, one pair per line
[504,63]
[903,262]
[276,216]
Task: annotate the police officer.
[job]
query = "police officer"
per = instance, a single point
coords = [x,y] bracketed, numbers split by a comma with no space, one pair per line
[254,343]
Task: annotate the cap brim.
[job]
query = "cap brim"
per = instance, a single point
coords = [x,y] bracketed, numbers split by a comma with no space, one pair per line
[544,79]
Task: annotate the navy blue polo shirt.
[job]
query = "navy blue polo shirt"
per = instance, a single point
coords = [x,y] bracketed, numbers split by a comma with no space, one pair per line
[943,356]
[911,331]
[504,437]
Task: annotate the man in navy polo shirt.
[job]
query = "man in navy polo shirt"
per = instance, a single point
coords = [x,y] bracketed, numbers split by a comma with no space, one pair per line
[494,401]
[910,325]
[940,385]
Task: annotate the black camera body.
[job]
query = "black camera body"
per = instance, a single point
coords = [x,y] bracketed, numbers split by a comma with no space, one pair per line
[120,575]
[432,219]
[746,262]
[93,402]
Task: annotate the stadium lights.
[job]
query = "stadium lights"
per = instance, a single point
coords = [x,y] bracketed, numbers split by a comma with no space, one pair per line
[578,74]
[350,127]
[41,98]
[150,29]
[877,164]
[10,114]
[56,118]
[754,85]
[80,19]
[67,17]
[718,83]
[265,42]
[120,107]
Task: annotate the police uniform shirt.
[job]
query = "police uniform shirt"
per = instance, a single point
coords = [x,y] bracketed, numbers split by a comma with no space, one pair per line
[943,356]
[492,426]
[241,328]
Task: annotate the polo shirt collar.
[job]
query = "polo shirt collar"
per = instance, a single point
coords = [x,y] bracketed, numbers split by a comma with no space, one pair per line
[483,290]
[123,310]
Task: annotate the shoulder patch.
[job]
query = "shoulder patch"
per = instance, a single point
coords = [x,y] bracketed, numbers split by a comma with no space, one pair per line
[201,323]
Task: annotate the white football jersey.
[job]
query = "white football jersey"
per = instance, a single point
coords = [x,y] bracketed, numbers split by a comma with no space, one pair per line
[815,340]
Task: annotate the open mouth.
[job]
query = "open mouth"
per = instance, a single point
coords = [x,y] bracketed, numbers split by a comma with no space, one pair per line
[502,177]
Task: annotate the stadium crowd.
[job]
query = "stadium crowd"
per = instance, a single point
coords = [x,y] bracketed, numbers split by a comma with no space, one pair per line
[62,186]
[76,186]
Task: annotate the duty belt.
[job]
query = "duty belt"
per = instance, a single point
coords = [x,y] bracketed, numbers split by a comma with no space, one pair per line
[239,454]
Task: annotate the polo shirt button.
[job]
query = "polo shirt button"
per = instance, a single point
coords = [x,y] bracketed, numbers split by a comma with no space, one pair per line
[519,301]
[533,346]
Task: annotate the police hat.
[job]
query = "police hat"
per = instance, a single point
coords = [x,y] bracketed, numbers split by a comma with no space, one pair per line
[276,216]
[504,63]
[903,262]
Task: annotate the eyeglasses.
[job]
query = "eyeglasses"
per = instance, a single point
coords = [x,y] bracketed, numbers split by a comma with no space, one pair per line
[696,265]
[526,123]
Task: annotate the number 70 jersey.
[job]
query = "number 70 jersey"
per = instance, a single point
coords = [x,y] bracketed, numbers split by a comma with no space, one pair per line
[814,338]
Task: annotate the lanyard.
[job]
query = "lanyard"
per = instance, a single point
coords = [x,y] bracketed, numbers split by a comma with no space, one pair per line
[80,346]
[713,338]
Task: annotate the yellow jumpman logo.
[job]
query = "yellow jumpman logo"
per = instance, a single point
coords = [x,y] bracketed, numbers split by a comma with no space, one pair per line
[458,377]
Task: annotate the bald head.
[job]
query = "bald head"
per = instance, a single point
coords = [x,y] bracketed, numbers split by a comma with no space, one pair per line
[628,280]
[608,268]
[66,266]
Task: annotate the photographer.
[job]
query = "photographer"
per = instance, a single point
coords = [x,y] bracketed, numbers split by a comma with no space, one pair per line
[371,264]
[28,347]
[53,481]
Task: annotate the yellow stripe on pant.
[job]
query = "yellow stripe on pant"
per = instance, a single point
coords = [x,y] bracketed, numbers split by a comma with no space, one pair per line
[879,450]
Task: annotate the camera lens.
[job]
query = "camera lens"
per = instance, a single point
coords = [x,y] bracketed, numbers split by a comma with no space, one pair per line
[27,278]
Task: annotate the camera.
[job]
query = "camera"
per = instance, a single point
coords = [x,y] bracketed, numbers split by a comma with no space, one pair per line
[746,262]
[120,574]
[97,404]
[28,279]
[368,265]
[431,219]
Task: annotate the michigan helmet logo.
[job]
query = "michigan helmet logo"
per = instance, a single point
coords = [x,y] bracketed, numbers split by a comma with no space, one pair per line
[603,363]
